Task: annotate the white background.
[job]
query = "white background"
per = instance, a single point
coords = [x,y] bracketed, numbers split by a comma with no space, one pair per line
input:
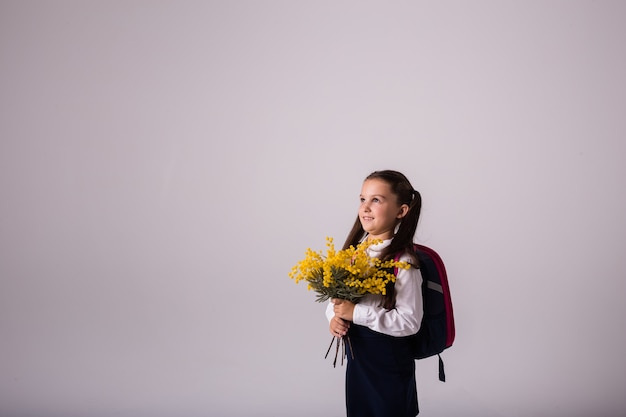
[164,164]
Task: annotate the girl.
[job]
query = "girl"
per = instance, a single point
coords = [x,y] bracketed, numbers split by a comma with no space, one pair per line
[380,379]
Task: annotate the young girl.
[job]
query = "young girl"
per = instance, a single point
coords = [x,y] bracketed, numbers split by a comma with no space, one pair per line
[380,379]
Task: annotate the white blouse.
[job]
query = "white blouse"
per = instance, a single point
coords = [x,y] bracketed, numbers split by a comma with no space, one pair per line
[406,317]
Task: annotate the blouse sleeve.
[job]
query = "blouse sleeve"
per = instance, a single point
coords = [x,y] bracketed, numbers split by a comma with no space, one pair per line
[330,311]
[406,317]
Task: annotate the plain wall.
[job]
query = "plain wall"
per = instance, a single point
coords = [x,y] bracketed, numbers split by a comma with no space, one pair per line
[163,165]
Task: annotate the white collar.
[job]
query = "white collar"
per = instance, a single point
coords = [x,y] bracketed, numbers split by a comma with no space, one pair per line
[377,248]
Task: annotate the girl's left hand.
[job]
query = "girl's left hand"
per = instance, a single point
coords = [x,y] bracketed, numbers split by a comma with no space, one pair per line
[343,308]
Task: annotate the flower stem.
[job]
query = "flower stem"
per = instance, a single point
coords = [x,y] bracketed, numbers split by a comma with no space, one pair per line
[331,345]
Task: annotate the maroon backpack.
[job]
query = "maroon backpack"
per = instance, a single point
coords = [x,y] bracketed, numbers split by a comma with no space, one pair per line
[436,332]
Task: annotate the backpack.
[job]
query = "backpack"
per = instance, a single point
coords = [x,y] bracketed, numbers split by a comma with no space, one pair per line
[436,332]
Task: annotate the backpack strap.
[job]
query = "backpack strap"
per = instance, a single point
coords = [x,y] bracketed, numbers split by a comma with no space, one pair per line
[442,372]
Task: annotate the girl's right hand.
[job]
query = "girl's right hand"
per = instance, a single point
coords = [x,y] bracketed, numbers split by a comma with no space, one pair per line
[339,327]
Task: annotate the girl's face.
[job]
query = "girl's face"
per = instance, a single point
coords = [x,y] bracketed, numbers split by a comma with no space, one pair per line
[379,211]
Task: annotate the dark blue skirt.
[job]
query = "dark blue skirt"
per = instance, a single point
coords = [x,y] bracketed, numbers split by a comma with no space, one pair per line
[380,379]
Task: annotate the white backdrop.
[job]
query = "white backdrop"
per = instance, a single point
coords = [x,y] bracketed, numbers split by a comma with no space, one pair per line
[164,164]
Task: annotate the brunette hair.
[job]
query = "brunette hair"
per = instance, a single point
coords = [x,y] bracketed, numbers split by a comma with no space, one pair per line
[403,239]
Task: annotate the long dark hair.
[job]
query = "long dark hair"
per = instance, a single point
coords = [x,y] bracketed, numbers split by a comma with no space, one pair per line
[403,239]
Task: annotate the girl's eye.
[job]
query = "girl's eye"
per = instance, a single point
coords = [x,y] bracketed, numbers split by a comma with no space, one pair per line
[374,200]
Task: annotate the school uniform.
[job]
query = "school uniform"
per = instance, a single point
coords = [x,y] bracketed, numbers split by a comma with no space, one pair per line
[380,379]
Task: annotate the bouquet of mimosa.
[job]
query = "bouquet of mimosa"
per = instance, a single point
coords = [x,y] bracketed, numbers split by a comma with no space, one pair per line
[347,274]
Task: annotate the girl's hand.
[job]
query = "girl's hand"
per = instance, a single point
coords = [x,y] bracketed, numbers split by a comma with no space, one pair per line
[339,327]
[343,309]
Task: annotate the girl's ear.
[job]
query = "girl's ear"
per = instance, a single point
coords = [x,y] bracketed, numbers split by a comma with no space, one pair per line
[404,209]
